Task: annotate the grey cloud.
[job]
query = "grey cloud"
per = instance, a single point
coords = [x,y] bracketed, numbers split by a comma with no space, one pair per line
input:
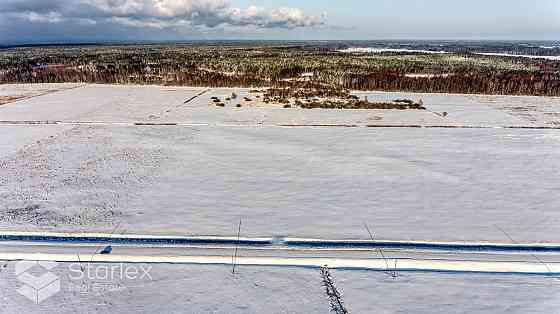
[156,14]
[37,6]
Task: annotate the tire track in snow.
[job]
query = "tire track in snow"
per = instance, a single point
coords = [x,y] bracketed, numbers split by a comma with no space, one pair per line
[335,298]
[278,125]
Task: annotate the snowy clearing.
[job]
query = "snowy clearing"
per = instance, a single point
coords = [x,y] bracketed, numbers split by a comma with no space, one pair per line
[381,50]
[367,292]
[221,164]
[163,163]
[554,58]
[174,289]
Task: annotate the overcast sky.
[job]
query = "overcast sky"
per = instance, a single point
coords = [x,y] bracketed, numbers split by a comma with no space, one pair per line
[105,20]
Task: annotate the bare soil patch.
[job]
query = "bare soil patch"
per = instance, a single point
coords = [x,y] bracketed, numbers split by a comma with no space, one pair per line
[8,99]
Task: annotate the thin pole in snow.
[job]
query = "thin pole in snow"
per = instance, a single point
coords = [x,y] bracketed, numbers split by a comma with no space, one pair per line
[393,274]
[234,257]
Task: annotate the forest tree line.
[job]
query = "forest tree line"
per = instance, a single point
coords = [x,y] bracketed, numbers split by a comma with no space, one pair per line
[270,67]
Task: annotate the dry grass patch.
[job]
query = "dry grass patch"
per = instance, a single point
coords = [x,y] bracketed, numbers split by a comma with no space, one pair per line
[8,99]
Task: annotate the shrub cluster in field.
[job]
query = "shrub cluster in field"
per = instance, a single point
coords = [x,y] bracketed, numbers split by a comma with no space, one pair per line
[324,98]
[360,104]
[311,97]
[307,90]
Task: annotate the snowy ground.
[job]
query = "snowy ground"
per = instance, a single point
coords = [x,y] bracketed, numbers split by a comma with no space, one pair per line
[11,93]
[97,171]
[26,90]
[484,109]
[409,184]
[238,163]
[213,289]
[369,292]
[99,103]
[170,289]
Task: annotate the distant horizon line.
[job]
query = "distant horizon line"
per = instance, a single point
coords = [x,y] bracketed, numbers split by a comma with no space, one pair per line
[10,44]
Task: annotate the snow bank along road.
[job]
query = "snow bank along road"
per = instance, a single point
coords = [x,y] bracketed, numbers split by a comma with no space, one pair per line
[390,264]
[537,259]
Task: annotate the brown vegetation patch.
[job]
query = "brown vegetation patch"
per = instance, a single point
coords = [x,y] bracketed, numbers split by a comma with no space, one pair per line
[361,104]
[325,97]
[8,99]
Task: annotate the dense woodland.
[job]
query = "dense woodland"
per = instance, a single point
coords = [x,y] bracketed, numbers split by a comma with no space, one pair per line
[280,66]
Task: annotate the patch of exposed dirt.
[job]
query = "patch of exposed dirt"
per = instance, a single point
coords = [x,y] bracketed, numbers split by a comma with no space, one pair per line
[8,99]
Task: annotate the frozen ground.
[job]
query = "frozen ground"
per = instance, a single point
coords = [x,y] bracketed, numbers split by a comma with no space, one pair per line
[97,171]
[198,111]
[224,164]
[11,93]
[484,110]
[14,138]
[213,289]
[171,289]
[419,293]
[423,184]
[27,90]
[99,103]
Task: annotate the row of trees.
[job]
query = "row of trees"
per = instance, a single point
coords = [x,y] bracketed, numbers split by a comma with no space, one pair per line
[259,67]
[483,83]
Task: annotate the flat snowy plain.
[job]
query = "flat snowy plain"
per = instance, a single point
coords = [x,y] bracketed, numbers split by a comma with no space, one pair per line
[225,164]
[213,289]
[421,293]
[172,289]
[161,160]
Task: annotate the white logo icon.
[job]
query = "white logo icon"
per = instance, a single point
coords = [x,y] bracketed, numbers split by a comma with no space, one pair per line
[37,288]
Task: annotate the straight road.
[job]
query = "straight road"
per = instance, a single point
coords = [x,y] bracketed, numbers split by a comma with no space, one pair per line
[281,255]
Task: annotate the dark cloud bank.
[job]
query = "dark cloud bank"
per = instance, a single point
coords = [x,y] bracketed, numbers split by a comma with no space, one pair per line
[49,20]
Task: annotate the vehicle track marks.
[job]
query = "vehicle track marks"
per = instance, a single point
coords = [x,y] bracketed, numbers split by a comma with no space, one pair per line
[335,298]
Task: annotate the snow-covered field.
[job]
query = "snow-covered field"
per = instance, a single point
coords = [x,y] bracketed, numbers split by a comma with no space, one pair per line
[100,103]
[170,289]
[381,50]
[554,58]
[213,289]
[424,184]
[483,110]
[400,50]
[74,160]
[369,292]
[33,89]
[12,93]
[227,164]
